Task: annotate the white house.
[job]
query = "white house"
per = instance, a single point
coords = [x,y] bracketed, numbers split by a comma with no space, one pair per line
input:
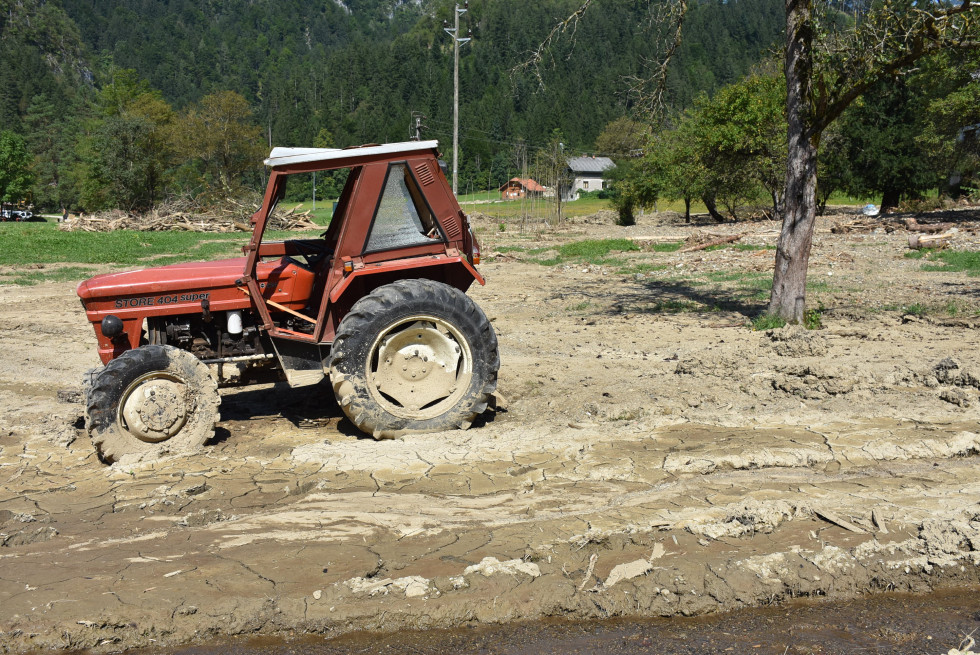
[587,174]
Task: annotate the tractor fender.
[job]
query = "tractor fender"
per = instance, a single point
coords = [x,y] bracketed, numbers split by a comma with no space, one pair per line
[456,271]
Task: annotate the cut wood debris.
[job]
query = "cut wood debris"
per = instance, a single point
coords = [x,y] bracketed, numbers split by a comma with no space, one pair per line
[701,241]
[830,517]
[917,241]
[866,224]
[187,216]
[913,225]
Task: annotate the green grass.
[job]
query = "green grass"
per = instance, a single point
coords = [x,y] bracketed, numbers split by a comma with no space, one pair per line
[44,243]
[506,210]
[678,307]
[641,267]
[748,247]
[757,286]
[768,322]
[840,198]
[669,246]
[726,276]
[818,286]
[65,274]
[590,251]
[949,308]
[949,261]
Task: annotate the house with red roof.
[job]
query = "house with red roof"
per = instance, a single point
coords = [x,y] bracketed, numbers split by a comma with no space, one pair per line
[518,187]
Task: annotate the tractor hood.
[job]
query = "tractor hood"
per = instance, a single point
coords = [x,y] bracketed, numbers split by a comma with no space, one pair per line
[192,277]
[193,288]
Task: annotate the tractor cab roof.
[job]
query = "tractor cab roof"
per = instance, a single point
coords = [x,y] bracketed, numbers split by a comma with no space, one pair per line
[331,157]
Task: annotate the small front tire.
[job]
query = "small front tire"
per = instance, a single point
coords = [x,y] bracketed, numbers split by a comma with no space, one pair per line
[151,401]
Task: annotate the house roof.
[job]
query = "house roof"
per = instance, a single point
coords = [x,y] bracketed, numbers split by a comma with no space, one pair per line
[590,164]
[528,184]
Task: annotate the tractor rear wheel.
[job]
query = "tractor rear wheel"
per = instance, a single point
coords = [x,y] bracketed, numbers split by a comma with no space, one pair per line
[414,356]
[151,401]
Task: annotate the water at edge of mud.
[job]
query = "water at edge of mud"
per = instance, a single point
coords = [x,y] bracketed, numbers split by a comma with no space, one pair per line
[898,624]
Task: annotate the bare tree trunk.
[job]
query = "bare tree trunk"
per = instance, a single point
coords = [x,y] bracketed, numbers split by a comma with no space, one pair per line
[788,299]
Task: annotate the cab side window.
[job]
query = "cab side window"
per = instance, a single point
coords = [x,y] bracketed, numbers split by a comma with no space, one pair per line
[402,218]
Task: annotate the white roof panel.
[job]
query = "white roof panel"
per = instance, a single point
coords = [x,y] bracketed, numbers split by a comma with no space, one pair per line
[284,156]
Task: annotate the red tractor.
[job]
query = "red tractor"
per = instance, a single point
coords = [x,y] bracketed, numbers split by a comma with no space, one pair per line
[377,303]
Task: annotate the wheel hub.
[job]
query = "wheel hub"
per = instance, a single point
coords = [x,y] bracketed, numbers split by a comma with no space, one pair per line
[417,366]
[155,410]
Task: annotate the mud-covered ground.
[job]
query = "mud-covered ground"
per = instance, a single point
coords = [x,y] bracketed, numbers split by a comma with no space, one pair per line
[650,454]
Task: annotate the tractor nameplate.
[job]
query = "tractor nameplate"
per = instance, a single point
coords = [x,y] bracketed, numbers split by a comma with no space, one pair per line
[170,299]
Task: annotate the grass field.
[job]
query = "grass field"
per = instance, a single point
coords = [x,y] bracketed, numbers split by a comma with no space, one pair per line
[41,243]
[489,203]
[39,251]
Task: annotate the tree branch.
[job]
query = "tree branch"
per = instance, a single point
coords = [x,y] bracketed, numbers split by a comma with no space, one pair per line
[534,60]
[650,102]
[884,45]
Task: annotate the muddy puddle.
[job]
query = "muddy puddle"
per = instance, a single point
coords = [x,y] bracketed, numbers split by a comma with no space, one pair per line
[881,624]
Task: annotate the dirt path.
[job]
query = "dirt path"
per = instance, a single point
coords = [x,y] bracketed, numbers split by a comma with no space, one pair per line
[651,455]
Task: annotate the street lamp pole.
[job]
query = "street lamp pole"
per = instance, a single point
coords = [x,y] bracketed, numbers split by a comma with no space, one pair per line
[454,33]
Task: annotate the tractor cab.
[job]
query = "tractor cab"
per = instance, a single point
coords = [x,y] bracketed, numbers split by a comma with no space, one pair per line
[396,217]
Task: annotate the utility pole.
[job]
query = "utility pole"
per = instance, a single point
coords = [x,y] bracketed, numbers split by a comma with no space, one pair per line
[416,127]
[454,32]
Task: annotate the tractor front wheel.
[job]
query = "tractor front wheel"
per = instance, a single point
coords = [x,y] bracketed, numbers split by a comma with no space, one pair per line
[151,401]
[414,356]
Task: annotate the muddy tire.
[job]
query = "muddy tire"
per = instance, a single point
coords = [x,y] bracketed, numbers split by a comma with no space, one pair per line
[414,356]
[151,401]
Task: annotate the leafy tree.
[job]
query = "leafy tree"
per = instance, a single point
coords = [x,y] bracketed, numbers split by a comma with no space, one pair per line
[740,140]
[622,137]
[119,165]
[126,153]
[821,84]
[635,185]
[51,137]
[833,165]
[673,157]
[950,136]
[882,152]
[123,88]
[726,149]
[219,133]
[16,176]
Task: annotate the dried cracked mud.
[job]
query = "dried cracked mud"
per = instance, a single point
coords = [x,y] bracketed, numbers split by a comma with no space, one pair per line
[639,462]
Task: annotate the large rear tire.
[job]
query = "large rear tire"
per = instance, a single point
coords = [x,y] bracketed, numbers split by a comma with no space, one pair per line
[149,402]
[414,356]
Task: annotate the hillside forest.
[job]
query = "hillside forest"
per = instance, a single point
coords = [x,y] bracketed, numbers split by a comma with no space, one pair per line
[129,103]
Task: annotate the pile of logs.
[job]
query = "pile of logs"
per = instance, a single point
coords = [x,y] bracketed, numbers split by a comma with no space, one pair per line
[182,215]
[922,235]
[866,224]
[703,240]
